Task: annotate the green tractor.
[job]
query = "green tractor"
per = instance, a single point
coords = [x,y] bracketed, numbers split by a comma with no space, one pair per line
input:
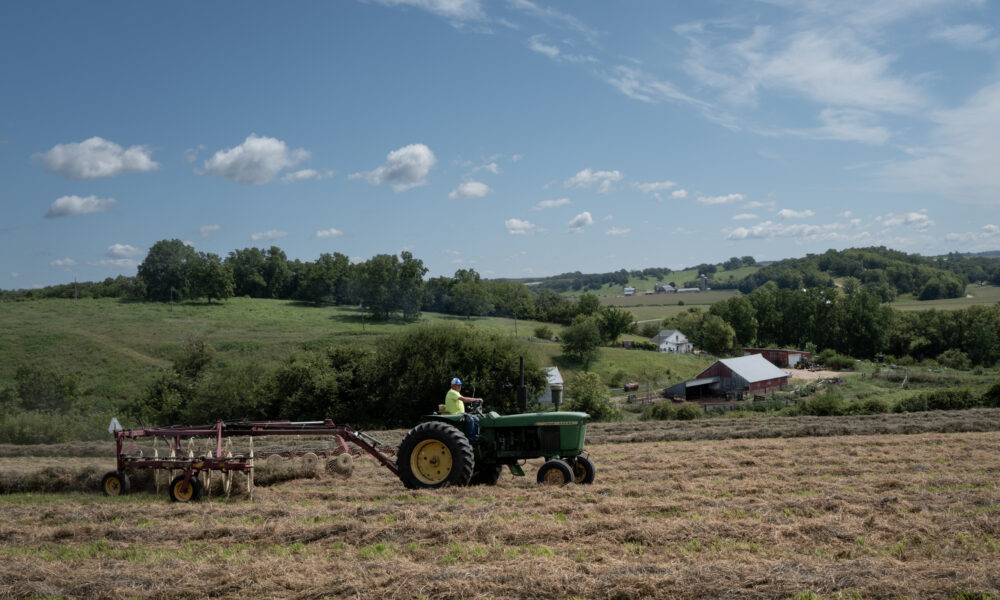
[437,453]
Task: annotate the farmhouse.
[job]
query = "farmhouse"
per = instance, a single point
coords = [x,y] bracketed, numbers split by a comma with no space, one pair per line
[671,340]
[779,357]
[733,377]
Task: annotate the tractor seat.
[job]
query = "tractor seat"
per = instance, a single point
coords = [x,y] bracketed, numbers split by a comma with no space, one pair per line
[443,410]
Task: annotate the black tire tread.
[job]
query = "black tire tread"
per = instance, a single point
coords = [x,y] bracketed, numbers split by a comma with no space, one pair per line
[463,459]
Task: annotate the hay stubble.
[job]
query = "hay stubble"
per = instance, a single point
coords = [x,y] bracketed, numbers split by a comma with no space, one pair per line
[874,516]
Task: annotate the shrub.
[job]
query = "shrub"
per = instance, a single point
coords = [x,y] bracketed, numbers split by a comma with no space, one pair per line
[588,394]
[616,378]
[828,404]
[991,397]
[688,412]
[832,360]
[953,399]
[868,406]
[662,411]
[649,330]
[544,332]
[644,345]
[954,358]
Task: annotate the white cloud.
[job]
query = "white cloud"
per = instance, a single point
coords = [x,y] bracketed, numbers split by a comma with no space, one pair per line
[851,125]
[587,178]
[455,10]
[828,65]
[124,251]
[969,36]
[847,214]
[256,161]
[727,199]
[68,206]
[120,263]
[679,194]
[770,230]
[207,230]
[516,157]
[269,235]
[520,227]
[15,274]
[919,220]
[304,174]
[988,232]
[537,44]
[551,204]
[329,233]
[787,213]
[63,262]
[404,168]
[654,186]
[959,161]
[191,154]
[640,86]
[577,223]
[744,217]
[97,157]
[470,189]
[617,231]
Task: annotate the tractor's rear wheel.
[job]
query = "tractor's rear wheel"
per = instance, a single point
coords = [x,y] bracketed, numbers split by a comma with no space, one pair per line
[181,493]
[487,475]
[434,455]
[583,470]
[115,483]
[555,472]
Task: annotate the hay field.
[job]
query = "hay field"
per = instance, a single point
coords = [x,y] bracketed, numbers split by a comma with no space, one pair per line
[869,516]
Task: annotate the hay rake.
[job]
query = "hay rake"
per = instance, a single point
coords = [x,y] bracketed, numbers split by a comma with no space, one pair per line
[183,466]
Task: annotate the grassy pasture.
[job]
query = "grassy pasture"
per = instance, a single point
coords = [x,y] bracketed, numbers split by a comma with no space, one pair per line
[858,516]
[115,346]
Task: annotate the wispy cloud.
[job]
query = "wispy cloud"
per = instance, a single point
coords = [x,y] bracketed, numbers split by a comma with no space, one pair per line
[207,230]
[617,231]
[727,199]
[269,235]
[63,262]
[544,204]
[120,251]
[787,213]
[306,174]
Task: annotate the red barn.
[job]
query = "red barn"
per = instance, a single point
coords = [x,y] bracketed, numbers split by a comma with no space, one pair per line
[751,374]
[780,358]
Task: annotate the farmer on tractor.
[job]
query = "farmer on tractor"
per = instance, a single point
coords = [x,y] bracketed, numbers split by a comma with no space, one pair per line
[454,403]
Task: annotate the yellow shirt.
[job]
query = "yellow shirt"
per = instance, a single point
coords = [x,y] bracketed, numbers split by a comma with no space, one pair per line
[453,402]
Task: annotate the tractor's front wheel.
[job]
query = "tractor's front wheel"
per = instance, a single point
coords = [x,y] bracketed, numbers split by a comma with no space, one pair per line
[433,455]
[583,470]
[555,472]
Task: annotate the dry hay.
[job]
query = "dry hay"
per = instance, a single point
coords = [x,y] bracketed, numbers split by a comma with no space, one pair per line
[854,516]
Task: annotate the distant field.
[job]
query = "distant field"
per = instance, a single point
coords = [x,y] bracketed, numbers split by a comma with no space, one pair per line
[989,294]
[660,306]
[678,277]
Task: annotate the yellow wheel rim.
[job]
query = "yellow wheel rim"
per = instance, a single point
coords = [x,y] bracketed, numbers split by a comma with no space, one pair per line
[112,486]
[553,477]
[579,473]
[183,495]
[431,462]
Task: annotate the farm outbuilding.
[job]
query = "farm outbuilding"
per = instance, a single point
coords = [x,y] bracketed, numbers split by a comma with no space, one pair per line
[733,377]
[780,357]
[553,388]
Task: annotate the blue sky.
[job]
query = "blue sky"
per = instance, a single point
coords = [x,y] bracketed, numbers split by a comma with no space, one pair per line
[520,138]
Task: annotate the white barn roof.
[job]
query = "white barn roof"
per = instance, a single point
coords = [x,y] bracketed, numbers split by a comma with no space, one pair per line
[753,368]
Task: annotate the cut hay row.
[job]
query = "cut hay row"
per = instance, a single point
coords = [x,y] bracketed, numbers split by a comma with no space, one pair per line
[853,516]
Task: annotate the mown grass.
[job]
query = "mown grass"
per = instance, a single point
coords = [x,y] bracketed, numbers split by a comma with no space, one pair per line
[642,284]
[859,516]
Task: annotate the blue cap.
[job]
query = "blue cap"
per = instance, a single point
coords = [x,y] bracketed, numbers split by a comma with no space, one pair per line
[456,381]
